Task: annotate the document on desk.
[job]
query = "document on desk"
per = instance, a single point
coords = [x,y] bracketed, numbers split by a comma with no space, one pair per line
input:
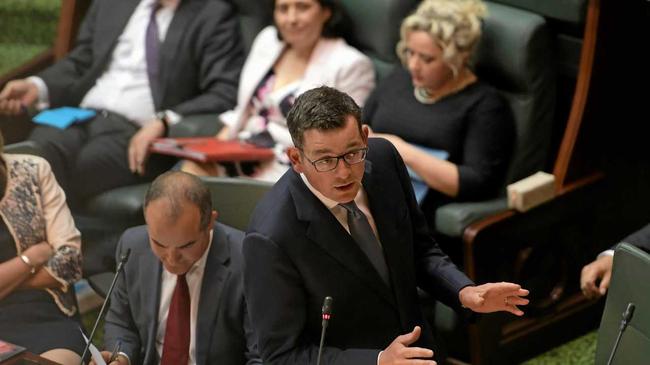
[94,352]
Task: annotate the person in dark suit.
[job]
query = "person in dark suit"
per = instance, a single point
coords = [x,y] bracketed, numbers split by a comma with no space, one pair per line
[180,298]
[596,276]
[344,223]
[143,65]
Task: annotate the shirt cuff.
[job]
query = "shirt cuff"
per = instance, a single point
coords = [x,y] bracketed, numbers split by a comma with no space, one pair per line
[173,117]
[43,93]
[606,253]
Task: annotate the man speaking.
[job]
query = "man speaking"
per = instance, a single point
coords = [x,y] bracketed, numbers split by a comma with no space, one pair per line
[344,223]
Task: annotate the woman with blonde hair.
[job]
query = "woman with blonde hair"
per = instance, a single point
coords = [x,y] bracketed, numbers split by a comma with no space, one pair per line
[454,133]
[40,259]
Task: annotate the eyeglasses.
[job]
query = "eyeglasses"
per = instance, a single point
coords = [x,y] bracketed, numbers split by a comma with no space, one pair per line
[330,163]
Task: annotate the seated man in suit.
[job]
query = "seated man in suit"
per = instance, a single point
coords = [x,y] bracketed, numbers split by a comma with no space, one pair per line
[595,277]
[180,298]
[344,223]
[143,65]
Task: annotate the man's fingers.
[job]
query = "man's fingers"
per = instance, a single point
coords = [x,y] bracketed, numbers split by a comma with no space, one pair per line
[604,283]
[132,157]
[517,301]
[505,288]
[514,310]
[416,352]
[409,338]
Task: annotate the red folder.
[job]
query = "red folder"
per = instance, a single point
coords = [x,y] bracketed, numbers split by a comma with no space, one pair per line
[210,149]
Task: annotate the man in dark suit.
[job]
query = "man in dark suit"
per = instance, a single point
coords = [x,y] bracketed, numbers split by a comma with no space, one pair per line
[595,277]
[143,65]
[344,223]
[180,298]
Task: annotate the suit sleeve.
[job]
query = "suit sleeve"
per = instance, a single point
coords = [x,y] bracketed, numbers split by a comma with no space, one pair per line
[273,288]
[119,324]
[61,76]
[219,53]
[640,238]
[435,272]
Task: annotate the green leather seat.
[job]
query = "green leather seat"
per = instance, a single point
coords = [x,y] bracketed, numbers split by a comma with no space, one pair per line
[514,55]
[629,284]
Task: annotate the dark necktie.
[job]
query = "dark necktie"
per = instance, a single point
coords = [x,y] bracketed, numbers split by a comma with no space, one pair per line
[362,233]
[152,48]
[176,348]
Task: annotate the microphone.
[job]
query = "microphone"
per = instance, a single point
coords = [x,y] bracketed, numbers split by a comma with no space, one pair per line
[326,314]
[627,317]
[123,259]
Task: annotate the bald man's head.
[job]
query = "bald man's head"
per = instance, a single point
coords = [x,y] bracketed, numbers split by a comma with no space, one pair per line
[181,190]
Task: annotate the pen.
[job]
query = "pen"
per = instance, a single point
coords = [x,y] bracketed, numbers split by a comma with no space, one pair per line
[115,352]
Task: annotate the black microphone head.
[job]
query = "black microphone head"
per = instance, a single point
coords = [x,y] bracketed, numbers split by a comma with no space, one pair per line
[125,255]
[327,305]
[629,312]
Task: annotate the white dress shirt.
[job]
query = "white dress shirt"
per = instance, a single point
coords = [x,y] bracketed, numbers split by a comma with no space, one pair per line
[341,214]
[123,88]
[194,279]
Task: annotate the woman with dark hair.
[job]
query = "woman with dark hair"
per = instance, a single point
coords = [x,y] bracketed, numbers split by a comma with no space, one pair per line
[302,50]
[40,259]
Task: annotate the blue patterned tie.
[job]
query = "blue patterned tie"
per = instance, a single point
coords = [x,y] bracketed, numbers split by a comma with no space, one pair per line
[362,233]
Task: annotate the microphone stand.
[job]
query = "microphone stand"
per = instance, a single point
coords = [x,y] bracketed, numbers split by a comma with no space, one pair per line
[326,314]
[123,259]
[627,317]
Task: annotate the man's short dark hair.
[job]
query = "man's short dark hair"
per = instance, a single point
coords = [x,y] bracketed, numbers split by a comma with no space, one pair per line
[179,188]
[322,108]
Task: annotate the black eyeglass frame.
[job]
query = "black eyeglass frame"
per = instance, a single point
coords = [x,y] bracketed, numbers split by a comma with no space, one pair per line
[364,151]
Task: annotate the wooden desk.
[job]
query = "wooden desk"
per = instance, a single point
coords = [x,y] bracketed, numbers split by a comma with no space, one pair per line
[27,358]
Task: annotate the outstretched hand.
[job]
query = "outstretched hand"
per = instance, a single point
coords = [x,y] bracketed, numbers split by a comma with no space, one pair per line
[494,297]
[400,352]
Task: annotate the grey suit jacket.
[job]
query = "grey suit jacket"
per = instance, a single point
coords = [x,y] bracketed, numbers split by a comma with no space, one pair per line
[200,59]
[640,238]
[222,329]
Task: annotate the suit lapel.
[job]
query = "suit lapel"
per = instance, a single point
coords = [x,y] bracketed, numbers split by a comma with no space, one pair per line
[326,231]
[185,12]
[389,215]
[215,276]
[152,273]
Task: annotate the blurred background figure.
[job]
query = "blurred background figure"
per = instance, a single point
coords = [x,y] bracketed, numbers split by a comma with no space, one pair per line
[596,276]
[40,259]
[142,66]
[302,50]
[454,132]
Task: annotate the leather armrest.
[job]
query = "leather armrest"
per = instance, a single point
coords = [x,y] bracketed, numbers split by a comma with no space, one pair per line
[452,219]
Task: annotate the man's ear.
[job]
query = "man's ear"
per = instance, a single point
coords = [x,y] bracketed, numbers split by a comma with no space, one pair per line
[296,159]
[365,130]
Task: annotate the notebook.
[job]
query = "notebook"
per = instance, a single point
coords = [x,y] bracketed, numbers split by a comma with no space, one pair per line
[8,350]
[210,149]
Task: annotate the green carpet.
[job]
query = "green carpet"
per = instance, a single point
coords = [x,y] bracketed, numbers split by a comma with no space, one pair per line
[88,320]
[27,28]
[580,351]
